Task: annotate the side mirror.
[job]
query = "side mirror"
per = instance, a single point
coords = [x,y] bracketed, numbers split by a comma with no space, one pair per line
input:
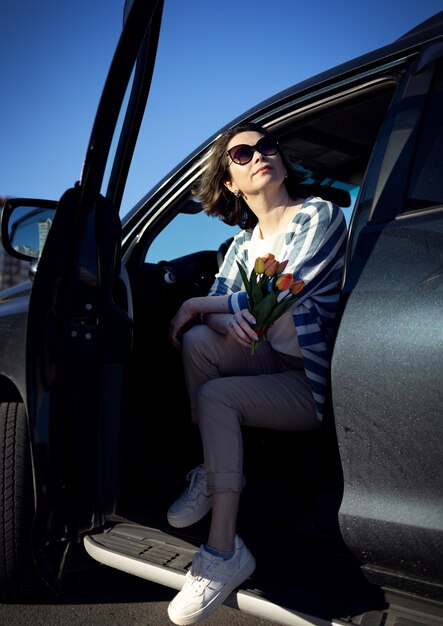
[24,226]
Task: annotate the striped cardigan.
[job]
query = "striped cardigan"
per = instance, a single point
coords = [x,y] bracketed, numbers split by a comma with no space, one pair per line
[315,248]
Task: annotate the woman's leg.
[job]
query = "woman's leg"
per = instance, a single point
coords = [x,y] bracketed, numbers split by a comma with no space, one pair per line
[279,401]
[223,527]
[225,405]
[224,396]
[208,355]
[228,387]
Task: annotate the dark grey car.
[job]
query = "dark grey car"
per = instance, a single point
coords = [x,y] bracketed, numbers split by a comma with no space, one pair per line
[346,524]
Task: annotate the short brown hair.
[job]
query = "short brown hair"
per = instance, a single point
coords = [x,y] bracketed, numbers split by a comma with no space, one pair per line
[212,192]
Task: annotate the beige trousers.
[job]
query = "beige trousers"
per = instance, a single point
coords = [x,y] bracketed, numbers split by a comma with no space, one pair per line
[230,388]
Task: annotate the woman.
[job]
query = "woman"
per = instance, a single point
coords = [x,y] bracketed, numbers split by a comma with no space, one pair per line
[250,183]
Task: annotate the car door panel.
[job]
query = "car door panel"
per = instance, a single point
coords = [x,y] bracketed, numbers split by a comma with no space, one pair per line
[385,350]
[76,374]
[388,355]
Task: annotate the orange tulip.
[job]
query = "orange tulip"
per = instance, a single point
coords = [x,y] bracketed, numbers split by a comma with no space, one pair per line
[265,289]
[281,266]
[268,259]
[271,268]
[296,287]
[284,282]
[268,256]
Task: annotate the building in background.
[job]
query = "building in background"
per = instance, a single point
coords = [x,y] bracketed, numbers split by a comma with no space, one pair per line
[12,271]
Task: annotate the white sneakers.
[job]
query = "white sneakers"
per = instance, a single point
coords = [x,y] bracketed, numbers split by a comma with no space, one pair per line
[194,503]
[209,582]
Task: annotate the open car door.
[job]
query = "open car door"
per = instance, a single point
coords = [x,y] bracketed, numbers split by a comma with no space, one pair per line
[80,326]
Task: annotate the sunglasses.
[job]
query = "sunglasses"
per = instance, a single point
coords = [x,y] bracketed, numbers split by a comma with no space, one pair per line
[243,153]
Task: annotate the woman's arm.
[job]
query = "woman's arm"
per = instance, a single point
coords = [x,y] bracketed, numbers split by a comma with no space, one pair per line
[319,241]
[192,308]
[217,308]
[217,314]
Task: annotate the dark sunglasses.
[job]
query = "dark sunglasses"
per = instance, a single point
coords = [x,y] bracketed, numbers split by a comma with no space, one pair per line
[243,153]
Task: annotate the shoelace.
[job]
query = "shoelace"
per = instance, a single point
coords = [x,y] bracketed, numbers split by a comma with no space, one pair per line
[195,583]
[195,475]
[201,570]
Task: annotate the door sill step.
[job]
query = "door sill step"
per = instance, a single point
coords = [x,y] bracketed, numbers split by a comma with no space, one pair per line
[164,559]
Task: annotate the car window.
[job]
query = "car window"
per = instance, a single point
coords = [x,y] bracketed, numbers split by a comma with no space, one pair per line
[426,188]
[189,233]
[107,177]
[329,143]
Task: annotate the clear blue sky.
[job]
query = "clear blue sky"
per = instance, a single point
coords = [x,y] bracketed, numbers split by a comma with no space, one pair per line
[216,59]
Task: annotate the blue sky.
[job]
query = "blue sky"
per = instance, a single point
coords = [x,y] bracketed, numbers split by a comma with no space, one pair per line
[215,60]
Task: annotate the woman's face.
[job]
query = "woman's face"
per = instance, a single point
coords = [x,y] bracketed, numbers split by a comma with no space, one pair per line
[260,174]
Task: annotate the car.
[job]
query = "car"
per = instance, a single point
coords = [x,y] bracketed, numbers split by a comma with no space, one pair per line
[346,523]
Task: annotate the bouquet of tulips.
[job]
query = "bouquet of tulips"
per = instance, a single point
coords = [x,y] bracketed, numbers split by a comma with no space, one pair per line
[264,288]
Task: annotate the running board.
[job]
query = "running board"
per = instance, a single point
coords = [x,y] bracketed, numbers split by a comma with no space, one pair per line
[164,559]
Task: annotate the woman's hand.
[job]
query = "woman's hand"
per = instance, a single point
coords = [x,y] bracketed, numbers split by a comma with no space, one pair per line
[180,321]
[239,327]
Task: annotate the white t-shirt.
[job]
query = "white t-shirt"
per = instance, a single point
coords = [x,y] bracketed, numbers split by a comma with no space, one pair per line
[283,334]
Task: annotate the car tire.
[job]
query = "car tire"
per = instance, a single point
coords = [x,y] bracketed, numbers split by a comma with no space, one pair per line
[18,579]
